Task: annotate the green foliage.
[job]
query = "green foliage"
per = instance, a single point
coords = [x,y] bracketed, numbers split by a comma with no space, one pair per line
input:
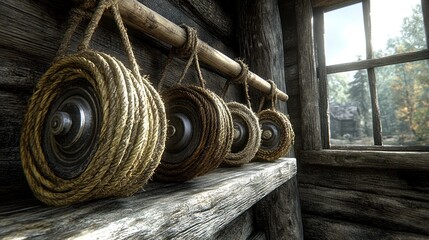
[403,89]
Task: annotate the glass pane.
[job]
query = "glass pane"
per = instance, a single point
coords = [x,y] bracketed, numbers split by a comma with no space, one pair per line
[344,35]
[397,27]
[350,109]
[403,96]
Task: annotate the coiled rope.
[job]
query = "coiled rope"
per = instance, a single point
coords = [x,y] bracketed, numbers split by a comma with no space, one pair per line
[283,136]
[247,133]
[212,123]
[132,134]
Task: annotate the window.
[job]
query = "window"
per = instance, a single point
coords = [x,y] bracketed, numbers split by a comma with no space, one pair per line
[373,69]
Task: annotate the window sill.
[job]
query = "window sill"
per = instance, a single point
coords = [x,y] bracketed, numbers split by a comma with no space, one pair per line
[367,159]
[194,209]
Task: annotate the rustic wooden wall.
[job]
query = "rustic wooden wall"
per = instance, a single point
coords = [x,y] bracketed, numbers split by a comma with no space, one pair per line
[30,35]
[352,194]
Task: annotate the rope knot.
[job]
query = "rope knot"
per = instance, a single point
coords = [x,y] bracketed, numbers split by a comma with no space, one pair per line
[190,47]
[244,73]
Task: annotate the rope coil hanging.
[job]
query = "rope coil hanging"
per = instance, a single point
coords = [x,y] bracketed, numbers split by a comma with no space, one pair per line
[277,133]
[200,133]
[247,133]
[126,118]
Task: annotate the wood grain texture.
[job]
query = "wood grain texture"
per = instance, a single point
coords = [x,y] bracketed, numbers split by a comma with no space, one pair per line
[369,208]
[214,14]
[309,87]
[392,202]
[240,228]
[30,34]
[195,209]
[260,43]
[288,22]
[328,228]
[279,213]
[367,159]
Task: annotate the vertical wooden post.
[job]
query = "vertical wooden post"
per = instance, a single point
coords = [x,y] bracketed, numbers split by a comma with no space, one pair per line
[425,11]
[319,29]
[309,86]
[376,122]
[261,45]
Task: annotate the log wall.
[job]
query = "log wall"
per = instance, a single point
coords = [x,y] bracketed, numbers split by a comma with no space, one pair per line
[31,33]
[29,37]
[366,194]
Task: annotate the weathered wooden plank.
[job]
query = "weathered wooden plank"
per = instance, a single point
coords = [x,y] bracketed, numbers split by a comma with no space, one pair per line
[12,110]
[34,30]
[319,29]
[195,209]
[240,228]
[379,62]
[18,72]
[406,184]
[321,228]
[279,213]
[367,159]
[215,17]
[332,3]
[309,87]
[377,210]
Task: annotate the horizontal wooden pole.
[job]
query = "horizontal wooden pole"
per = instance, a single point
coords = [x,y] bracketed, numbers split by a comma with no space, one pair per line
[142,18]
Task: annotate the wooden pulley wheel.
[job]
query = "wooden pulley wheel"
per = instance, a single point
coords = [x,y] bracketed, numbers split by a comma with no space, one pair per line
[247,135]
[92,130]
[277,135]
[199,135]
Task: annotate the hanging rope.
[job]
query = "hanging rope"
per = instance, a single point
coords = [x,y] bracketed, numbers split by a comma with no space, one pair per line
[277,133]
[247,133]
[210,120]
[132,134]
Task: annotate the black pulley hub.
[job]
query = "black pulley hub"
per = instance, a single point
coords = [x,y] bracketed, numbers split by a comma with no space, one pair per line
[270,138]
[71,128]
[241,134]
[183,131]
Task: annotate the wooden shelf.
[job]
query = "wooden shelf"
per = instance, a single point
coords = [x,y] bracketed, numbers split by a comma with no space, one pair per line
[195,209]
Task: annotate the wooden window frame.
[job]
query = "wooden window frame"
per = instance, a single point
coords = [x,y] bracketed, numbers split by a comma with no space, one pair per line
[369,64]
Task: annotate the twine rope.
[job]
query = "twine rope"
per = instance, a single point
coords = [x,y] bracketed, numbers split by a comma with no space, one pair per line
[241,78]
[133,128]
[249,118]
[188,50]
[216,120]
[287,134]
[216,134]
[272,95]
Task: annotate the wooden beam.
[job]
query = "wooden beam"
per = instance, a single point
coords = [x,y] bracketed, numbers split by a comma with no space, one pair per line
[379,62]
[142,18]
[197,209]
[261,44]
[319,30]
[367,159]
[332,4]
[309,86]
